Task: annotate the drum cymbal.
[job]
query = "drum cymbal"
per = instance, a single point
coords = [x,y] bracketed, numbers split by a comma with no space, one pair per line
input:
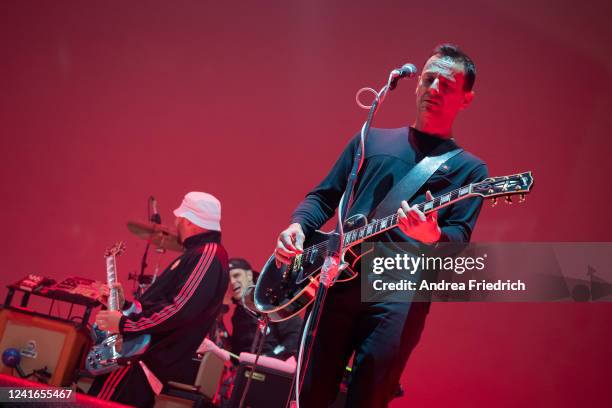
[160,235]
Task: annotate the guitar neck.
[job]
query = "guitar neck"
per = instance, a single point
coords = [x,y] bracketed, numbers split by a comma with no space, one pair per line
[111,279]
[381,225]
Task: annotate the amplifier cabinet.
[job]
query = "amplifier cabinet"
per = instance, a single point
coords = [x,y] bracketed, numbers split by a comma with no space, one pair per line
[43,342]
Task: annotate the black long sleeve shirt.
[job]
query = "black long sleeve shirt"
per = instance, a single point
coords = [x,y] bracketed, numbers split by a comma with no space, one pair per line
[389,155]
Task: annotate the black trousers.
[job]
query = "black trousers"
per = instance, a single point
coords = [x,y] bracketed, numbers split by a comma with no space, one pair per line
[382,335]
[127,385]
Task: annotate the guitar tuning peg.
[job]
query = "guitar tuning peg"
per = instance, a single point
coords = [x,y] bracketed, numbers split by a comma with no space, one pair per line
[508,200]
[493,201]
[521,198]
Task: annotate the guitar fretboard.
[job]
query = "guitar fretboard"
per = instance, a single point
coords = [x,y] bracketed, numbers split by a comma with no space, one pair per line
[391,221]
[111,278]
[491,187]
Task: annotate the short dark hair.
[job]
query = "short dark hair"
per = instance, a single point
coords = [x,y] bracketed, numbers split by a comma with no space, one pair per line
[241,263]
[456,54]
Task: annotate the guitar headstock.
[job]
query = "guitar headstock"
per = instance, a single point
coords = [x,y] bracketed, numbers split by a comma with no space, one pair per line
[505,186]
[115,250]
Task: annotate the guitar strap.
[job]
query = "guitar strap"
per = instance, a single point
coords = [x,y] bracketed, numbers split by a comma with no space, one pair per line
[411,183]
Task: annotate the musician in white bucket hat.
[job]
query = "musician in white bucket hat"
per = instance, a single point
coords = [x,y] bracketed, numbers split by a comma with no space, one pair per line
[202,209]
[177,310]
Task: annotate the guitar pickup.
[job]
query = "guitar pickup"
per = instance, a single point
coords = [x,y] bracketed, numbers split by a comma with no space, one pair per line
[312,256]
[297,263]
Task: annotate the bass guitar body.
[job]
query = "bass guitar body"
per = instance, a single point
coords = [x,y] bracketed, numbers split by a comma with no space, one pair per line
[111,351]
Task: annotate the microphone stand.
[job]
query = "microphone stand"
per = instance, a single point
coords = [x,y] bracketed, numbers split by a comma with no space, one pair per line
[335,244]
[140,280]
[143,266]
[263,321]
[331,265]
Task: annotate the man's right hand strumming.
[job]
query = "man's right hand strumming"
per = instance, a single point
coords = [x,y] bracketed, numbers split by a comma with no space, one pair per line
[289,244]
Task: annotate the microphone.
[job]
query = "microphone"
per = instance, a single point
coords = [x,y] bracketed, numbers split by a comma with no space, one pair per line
[406,71]
[155,217]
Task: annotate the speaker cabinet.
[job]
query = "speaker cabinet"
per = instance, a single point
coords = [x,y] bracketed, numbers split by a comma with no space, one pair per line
[43,342]
[269,388]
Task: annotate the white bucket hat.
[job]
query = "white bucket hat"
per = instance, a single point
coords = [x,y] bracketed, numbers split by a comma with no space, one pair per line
[203,209]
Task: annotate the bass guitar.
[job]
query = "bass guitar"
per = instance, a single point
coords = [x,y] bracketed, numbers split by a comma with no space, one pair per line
[111,350]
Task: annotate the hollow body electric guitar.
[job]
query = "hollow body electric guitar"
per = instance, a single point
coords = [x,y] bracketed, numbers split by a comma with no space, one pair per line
[283,292]
[111,350]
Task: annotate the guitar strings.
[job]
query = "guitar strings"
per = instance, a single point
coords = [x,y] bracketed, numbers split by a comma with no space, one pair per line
[390,220]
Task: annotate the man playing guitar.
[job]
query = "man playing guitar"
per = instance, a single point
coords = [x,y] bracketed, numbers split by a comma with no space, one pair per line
[177,310]
[382,335]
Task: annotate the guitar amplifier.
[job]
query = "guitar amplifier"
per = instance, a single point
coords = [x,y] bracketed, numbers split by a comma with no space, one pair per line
[269,387]
[43,343]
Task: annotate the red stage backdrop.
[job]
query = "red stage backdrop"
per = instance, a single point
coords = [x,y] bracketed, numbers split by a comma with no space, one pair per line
[106,103]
